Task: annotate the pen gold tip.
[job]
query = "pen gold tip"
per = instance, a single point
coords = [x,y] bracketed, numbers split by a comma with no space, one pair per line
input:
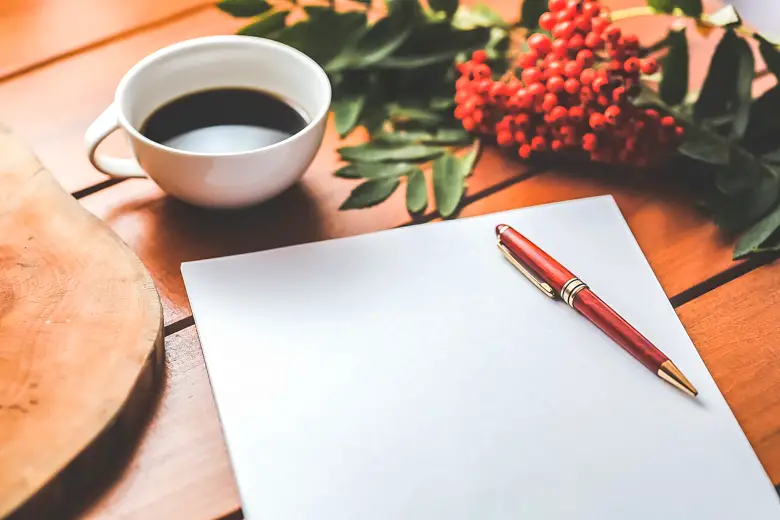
[500,229]
[671,374]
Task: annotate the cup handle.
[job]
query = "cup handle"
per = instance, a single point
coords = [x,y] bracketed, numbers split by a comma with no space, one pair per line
[106,123]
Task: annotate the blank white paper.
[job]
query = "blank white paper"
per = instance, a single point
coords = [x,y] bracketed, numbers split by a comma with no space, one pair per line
[414,374]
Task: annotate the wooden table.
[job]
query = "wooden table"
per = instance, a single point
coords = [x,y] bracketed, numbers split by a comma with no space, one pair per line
[59,64]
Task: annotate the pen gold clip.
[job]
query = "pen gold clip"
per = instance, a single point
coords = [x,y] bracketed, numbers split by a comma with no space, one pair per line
[540,284]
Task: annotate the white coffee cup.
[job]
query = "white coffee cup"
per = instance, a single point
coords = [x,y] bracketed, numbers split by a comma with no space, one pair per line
[215,179]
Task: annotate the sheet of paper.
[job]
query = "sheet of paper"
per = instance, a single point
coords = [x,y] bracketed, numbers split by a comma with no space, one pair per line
[414,374]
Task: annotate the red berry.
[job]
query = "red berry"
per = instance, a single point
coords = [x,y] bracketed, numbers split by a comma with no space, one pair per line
[524,151]
[479,56]
[614,66]
[576,42]
[631,65]
[572,69]
[587,76]
[668,122]
[611,114]
[520,137]
[630,41]
[554,68]
[603,100]
[563,30]
[536,90]
[594,41]
[555,84]
[575,113]
[596,121]
[550,101]
[531,75]
[619,94]
[679,133]
[481,71]
[589,142]
[477,115]
[649,66]
[483,86]
[556,145]
[582,23]
[462,83]
[504,124]
[560,46]
[521,119]
[571,85]
[460,112]
[612,33]
[591,9]
[564,15]
[652,114]
[558,113]
[540,43]
[461,96]
[524,98]
[586,95]
[504,138]
[598,83]
[556,5]
[468,124]
[538,144]
[547,21]
[496,89]
[573,4]
[511,87]
[585,58]
[599,24]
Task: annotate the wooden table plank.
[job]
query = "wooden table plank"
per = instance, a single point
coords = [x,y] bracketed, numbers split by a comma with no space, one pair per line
[51,107]
[180,469]
[51,30]
[683,246]
[736,329]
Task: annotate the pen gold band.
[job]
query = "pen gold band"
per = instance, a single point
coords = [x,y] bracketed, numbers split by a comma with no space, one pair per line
[571,289]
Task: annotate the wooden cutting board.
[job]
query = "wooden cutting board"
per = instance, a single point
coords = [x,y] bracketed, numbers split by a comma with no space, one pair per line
[81,349]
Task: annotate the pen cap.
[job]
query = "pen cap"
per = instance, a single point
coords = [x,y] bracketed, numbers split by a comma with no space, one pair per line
[534,258]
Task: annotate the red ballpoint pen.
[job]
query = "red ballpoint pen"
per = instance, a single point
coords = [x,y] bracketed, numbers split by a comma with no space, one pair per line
[555,280]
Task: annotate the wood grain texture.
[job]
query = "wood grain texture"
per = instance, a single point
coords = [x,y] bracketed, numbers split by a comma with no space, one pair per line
[736,329]
[683,246]
[52,107]
[80,341]
[180,470]
[57,29]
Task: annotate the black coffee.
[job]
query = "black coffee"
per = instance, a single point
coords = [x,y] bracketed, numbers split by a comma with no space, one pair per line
[225,120]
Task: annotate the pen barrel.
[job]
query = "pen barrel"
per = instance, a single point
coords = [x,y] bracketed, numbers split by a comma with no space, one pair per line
[537,260]
[610,322]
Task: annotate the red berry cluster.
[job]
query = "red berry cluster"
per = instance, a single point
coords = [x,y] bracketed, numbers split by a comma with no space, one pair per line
[574,92]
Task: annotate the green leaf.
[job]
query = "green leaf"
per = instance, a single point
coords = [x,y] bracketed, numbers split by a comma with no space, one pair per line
[531,11]
[403,137]
[346,112]
[449,176]
[266,25]
[374,152]
[441,103]
[674,83]
[450,136]
[763,131]
[375,170]
[370,193]
[244,8]
[448,6]
[689,7]
[479,15]
[745,75]
[416,192]
[751,240]
[747,206]
[772,157]
[704,147]
[379,42]
[435,43]
[325,34]
[720,85]
[420,115]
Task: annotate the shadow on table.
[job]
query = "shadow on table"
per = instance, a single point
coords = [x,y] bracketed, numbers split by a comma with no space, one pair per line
[165,232]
